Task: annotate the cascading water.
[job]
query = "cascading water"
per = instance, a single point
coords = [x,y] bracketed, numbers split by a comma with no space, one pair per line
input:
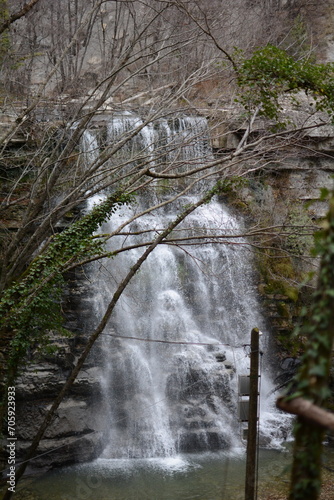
[193,308]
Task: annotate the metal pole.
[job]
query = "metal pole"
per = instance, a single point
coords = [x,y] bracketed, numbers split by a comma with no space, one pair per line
[251,460]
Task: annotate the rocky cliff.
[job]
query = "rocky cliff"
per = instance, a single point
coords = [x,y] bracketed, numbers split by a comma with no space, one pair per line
[278,194]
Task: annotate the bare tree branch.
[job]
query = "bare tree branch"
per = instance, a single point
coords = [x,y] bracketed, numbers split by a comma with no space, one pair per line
[94,336]
[307,411]
[17,15]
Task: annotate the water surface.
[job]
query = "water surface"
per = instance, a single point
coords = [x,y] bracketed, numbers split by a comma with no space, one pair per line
[185,477]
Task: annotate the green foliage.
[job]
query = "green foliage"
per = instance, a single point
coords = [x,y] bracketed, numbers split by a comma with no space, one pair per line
[279,274]
[271,72]
[230,184]
[319,329]
[230,188]
[307,462]
[312,380]
[31,307]
[300,242]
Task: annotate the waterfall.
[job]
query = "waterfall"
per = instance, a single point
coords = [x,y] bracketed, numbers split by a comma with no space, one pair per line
[178,143]
[189,310]
[181,137]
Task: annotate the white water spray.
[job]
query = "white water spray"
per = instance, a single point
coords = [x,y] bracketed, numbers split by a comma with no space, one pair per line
[165,398]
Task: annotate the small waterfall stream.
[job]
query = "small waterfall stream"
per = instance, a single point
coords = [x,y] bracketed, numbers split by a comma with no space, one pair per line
[190,310]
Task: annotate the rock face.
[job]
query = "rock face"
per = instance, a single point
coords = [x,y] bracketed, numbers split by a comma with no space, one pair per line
[289,194]
[286,192]
[77,430]
[75,434]
[196,399]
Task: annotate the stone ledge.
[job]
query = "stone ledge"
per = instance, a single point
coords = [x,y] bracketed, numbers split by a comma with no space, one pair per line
[59,452]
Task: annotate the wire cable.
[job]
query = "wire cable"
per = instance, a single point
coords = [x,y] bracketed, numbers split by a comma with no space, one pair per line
[177,342]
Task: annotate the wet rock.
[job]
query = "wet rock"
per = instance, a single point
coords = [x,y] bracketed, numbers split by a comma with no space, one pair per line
[198,441]
[191,442]
[72,417]
[71,449]
[216,441]
[88,381]
[46,379]
[194,411]
[40,380]
[221,357]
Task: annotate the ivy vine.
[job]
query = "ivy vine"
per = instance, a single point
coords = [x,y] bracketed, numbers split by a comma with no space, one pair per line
[311,381]
[31,307]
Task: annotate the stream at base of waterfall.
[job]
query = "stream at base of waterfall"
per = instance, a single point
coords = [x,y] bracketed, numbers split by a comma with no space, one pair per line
[211,476]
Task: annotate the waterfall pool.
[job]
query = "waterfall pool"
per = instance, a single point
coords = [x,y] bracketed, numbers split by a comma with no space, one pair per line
[208,476]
